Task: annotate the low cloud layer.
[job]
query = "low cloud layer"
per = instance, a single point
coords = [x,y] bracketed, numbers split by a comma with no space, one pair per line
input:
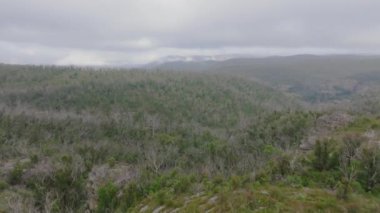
[128,32]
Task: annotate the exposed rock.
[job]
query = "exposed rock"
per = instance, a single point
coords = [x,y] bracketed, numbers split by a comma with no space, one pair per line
[157,210]
[144,209]
[210,210]
[175,210]
[212,200]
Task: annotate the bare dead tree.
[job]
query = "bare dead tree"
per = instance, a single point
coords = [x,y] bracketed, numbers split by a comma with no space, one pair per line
[348,164]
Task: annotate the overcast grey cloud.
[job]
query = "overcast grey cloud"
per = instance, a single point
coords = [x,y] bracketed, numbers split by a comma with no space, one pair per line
[118,32]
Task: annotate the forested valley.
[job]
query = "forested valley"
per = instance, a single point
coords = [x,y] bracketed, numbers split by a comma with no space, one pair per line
[165,139]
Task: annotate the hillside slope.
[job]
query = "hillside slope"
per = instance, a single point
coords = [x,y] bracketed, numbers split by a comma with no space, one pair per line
[314,78]
[62,129]
[207,99]
[109,140]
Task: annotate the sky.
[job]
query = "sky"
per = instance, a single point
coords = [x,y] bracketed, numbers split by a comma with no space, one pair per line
[133,32]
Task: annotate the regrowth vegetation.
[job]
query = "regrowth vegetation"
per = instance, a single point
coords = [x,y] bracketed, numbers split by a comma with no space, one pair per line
[107,140]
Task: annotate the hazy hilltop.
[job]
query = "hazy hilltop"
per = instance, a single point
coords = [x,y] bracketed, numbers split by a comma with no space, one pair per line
[285,67]
[315,78]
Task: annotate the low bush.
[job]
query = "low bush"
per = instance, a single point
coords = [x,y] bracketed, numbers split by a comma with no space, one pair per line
[107,198]
[15,176]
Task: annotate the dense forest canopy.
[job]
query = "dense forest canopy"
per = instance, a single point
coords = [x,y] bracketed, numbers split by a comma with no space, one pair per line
[76,139]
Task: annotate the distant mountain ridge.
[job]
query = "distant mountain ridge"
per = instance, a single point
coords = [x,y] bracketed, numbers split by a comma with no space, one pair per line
[315,78]
[192,58]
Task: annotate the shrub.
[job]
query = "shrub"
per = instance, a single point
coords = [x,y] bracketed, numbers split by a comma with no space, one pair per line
[65,187]
[107,198]
[3,185]
[236,182]
[111,161]
[182,184]
[161,197]
[323,179]
[132,194]
[356,187]
[70,188]
[15,175]
[294,181]
[282,166]
[321,154]
[344,189]
[34,159]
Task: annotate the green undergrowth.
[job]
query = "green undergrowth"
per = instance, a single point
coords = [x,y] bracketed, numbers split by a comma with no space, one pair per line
[363,124]
[253,197]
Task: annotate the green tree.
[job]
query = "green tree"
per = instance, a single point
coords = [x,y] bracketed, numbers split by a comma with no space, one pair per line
[370,166]
[321,156]
[107,198]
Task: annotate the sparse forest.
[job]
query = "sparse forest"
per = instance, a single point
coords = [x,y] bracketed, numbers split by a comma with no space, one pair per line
[78,139]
